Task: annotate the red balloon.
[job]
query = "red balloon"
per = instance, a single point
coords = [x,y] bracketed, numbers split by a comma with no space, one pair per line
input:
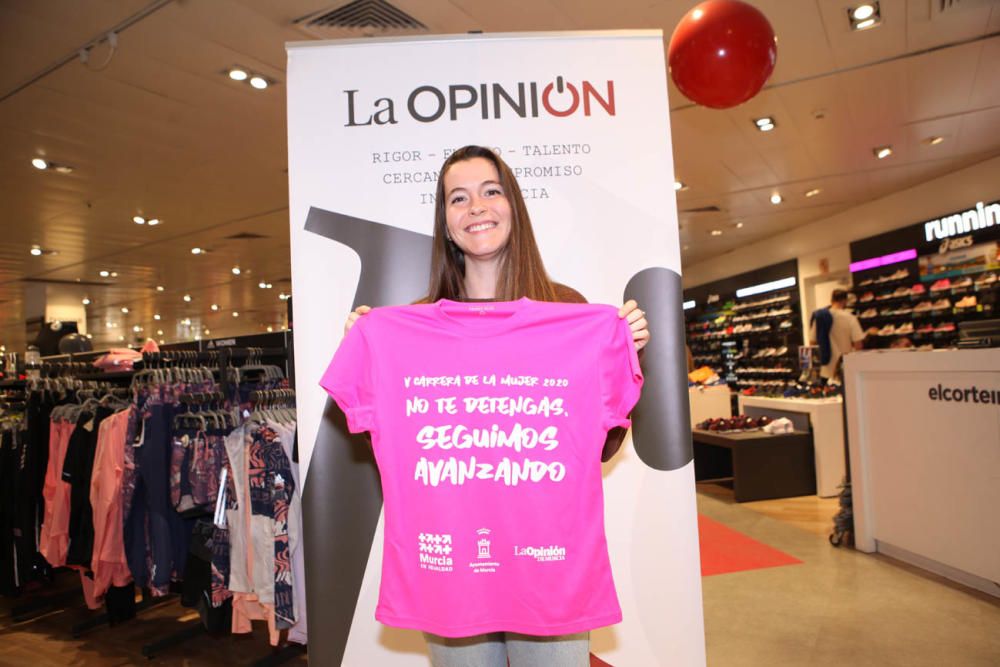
[722,52]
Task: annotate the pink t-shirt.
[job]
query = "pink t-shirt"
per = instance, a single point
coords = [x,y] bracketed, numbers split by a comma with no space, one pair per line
[487,422]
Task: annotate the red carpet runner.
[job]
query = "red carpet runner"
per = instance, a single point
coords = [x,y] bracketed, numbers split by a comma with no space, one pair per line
[724,550]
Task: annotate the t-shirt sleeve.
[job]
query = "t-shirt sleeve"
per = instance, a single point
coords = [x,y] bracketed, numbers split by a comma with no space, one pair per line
[621,377]
[348,380]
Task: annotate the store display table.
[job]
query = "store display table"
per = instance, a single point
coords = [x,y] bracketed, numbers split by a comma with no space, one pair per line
[709,402]
[760,464]
[826,419]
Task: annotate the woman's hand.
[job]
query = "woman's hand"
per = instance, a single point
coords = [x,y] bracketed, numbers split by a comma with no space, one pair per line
[353,317]
[637,322]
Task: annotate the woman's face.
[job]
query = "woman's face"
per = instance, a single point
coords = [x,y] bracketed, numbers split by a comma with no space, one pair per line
[477,211]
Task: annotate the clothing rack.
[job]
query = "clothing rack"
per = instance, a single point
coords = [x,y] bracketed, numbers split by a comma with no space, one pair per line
[221,355]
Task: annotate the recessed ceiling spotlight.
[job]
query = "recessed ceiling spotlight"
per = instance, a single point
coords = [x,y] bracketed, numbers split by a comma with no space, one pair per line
[196,251]
[864,16]
[186,321]
[109,325]
[679,186]
[238,74]
[882,152]
[159,288]
[114,274]
[121,338]
[933,141]
[270,329]
[813,192]
[156,316]
[284,297]
[776,199]
[153,222]
[104,274]
[35,250]
[39,163]
[264,285]
[236,270]
[207,332]
[716,232]
[765,124]
[125,309]
[138,219]
[62,168]
[161,341]
[187,297]
[136,328]
[85,301]
[91,336]
[214,306]
[739,225]
[159,332]
[258,82]
[235,314]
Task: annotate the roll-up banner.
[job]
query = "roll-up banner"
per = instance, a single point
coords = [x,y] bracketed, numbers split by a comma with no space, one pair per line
[582,119]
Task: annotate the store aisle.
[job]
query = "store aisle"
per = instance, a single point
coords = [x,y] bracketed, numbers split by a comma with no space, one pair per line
[838,606]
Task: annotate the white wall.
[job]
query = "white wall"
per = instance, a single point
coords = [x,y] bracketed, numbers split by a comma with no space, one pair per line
[829,237]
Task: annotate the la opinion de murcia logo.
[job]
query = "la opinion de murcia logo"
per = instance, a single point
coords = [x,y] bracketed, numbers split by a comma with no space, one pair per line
[427,104]
[980,217]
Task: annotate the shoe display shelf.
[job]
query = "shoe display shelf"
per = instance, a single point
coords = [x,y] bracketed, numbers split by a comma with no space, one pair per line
[767,329]
[927,314]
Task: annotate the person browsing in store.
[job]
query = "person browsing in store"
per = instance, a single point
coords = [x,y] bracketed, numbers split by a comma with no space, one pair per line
[837,332]
[484,249]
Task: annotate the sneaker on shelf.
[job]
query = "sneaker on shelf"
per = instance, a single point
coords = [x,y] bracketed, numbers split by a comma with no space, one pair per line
[964,281]
[917,289]
[942,284]
[884,296]
[865,282]
[926,328]
[899,275]
[905,328]
[866,297]
[922,306]
[901,291]
[941,304]
[787,324]
[781,351]
[905,310]
[967,302]
[945,327]
[925,348]
[986,279]
[868,314]
[872,331]
[887,330]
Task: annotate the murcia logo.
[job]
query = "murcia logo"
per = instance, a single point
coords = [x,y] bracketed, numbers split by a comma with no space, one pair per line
[427,104]
[435,552]
[483,544]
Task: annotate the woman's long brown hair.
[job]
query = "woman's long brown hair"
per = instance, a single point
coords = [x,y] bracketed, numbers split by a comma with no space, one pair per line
[521,272]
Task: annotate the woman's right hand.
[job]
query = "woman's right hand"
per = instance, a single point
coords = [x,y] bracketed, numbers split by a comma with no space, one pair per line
[353,317]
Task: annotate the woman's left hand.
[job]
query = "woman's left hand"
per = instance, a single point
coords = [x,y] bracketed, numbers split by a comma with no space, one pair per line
[637,322]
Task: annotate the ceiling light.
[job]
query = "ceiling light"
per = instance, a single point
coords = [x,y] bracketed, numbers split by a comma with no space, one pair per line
[258,82]
[125,309]
[235,314]
[813,192]
[187,297]
[154,222]
[678,186]
[156,316]
[39,163]
[35,250]
[214,306]
[159,288]
[716,232]
[882,152]
[237,74]
[161,341]
[765,124]
[236,270]
[776,199]
[196,251]
[85,301]
[862,12]
[138,219]
[136,328]
[62,168]
[159,332]
[688,305]
[109,325]
[933,141]
[765,287]
[270,329]
[104,274]
[739,225]
[121,338]
[114,274]
[91,336]
[284,297]
[186,321]
[207,332]
[864,16]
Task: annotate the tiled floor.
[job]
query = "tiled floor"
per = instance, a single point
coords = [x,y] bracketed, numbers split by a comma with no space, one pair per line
[839,607]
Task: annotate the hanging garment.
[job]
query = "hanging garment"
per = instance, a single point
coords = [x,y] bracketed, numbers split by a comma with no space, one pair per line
[487,423]
[108,562]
